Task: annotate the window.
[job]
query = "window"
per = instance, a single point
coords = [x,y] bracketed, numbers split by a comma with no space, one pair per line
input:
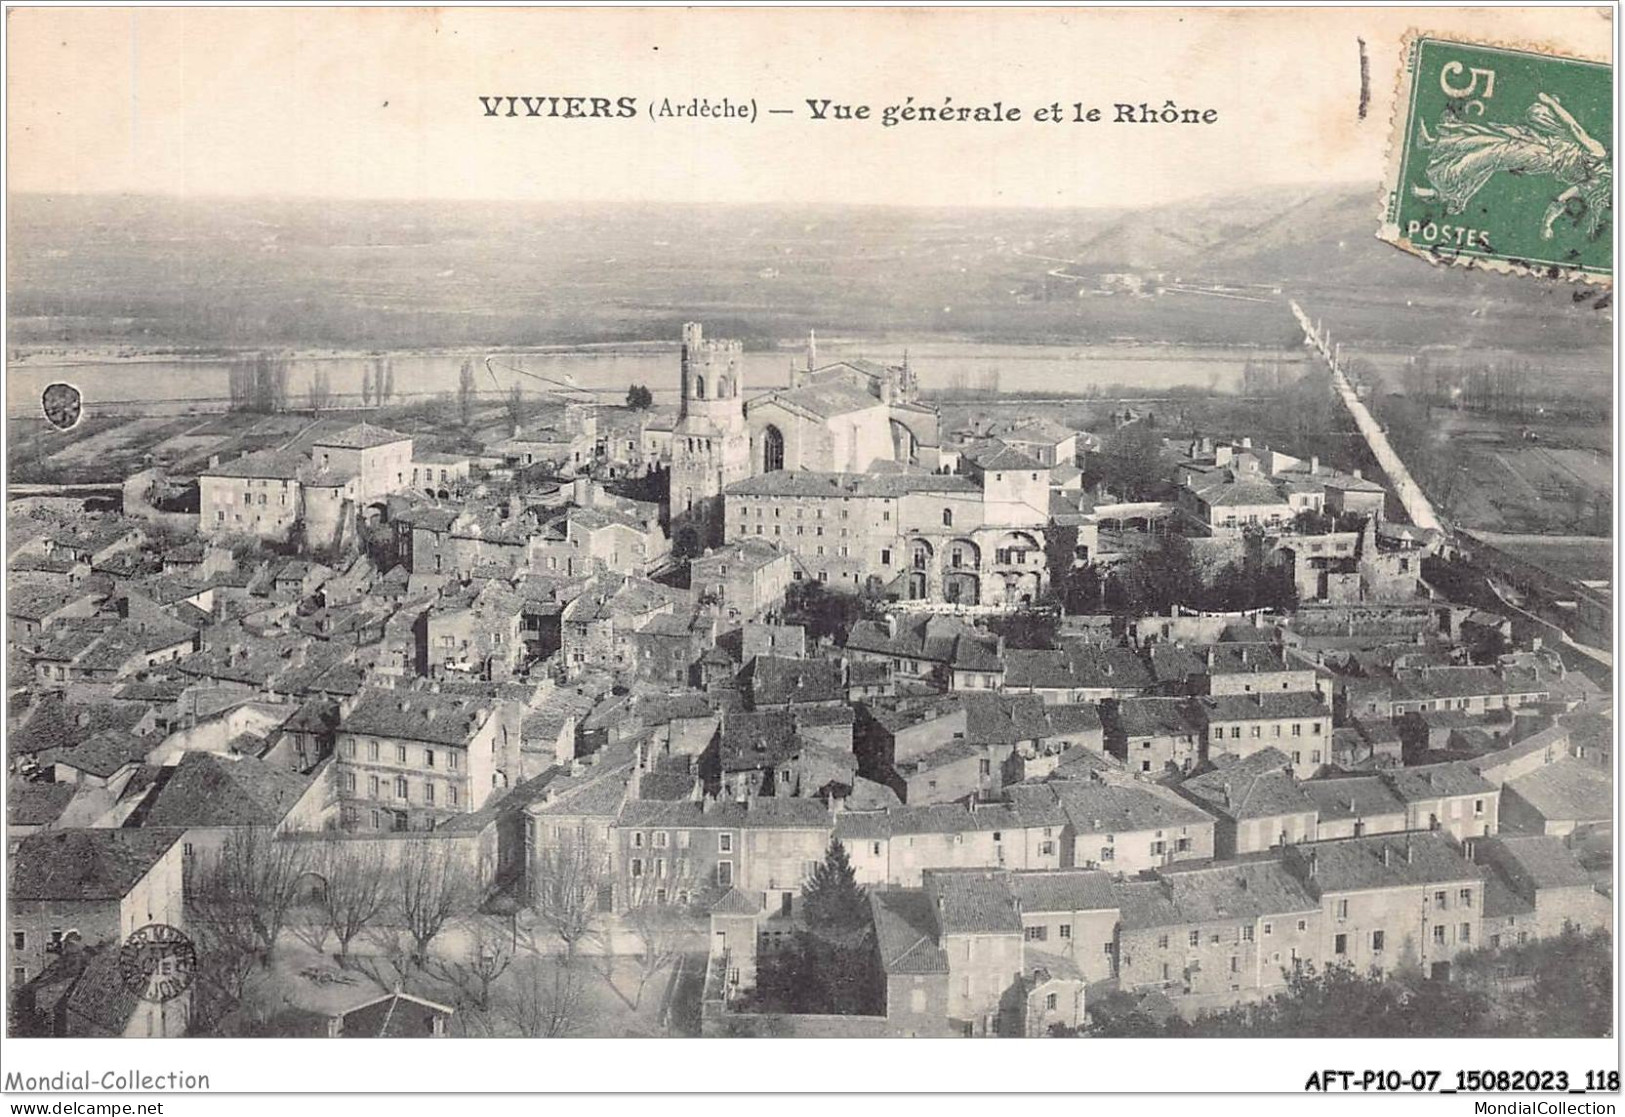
[1247,934]
[1235,964]
[637,839]
[1297,729]
[1269,929]
[1050,1001]
[428,794]
[1066,930]
[453,761]
[1438,934]
[637,866]
[1162,942]
[662,839]
[885,553]
[725,874]
[400,754]
[1466,932]
[682,839]
[1478,808]
[1107,853]
[874,848]
[1340,944]
[428,758]
[1046,849]
[349,783]
[1158,848]
[1196,938]
[451,796]
[1466,897]
[372,750]
[1303,925]
[1440,900]
[1342,911]
[19,940]
[400,787]
[1378,941]
[1037,934]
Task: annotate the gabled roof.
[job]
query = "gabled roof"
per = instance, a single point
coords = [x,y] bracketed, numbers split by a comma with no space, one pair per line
[362,436]
[735,902]
[443,719]
[214,791]
[1567,790]
[1100,808]
[1359,864]
[85,864]
[1352,797]
[1434,781]
[1067,890]
[905,932]
[1255,786]
[972,902]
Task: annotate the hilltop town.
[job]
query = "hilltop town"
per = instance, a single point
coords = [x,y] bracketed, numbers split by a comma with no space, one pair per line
[1007,721]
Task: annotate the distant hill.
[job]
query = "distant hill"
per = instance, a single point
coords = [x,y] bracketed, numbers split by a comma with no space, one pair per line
[149,272]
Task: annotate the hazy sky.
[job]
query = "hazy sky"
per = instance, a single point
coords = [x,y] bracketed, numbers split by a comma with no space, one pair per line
[376,103]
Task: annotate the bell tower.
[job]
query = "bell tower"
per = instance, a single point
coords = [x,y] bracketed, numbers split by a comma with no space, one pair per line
[710,444]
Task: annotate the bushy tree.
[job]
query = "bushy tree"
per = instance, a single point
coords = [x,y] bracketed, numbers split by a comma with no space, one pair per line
[639,398]
[831,897]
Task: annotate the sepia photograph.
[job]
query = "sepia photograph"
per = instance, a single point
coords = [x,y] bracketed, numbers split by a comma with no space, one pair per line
[1075,525]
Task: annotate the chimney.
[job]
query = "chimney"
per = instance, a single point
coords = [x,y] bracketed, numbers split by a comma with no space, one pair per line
[1227,801]
[1385,852]
[1410,851]
[891,626]
[1314,863]
[1314,464]
[1358,475]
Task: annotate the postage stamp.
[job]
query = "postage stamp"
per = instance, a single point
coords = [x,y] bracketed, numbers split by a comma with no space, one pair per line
[1500,159]
[157,962]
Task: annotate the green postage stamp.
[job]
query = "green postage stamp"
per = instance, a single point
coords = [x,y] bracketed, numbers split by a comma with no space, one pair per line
[1501,159]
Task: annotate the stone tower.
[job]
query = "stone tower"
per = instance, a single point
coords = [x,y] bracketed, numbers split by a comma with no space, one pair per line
[710,443]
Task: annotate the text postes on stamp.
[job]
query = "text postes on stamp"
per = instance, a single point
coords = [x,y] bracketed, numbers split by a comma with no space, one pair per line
[157,962]
[1500,159]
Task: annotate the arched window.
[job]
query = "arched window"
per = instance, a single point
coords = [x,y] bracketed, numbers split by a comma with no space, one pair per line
[772,450]
[699,387]
[947,517]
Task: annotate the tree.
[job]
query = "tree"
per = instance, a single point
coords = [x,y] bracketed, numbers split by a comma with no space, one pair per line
[489,953]
[661,931]
[1027,629]
[639,398]
[1131,461]
[547,997]
[516,407]
[245,891]
[385,379]
[569,872]
[431,886]
[356,892]
[465,392]
[366,386]
[321,392]
[823,612]
[831,897]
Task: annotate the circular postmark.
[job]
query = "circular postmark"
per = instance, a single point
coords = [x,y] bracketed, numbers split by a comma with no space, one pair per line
[157,962]
[62,405]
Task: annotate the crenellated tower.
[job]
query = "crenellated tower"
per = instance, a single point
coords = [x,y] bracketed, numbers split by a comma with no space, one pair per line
[710,443]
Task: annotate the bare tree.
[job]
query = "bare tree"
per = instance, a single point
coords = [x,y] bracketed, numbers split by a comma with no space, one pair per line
[321,392]
[465,392]
[356,892]
[547,998]
[431,886]
[489,954]
[659,925]
[245,892]
[516,407]
[569,873]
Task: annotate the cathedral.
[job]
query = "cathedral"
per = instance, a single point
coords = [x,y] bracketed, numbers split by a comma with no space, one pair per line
[845,469]
[849,416]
